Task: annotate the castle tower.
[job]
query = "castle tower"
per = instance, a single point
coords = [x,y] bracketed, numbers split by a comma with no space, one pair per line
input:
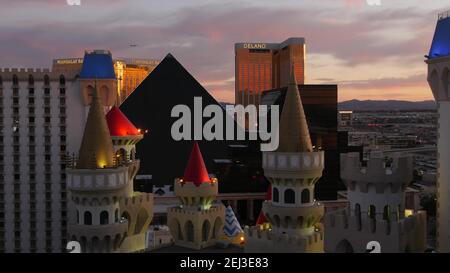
[438,61]
[198,221]
[376,208]
[105,214]
[124,138]
[98,73]
[293,169]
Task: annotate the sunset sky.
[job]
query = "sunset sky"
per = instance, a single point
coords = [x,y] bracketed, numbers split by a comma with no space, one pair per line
[372,52]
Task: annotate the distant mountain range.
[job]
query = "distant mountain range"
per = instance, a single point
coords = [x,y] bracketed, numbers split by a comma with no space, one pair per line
[373,105]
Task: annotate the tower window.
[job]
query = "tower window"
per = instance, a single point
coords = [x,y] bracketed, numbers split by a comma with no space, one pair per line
[289,196]
[305,196]
[87,218]
[104,218]
[275,195]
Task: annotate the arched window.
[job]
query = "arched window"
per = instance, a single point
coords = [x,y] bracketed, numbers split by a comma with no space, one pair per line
[180,233]
[116,215]
[78,216]
[121,156]
[62,80]
[30,80]
[305,196]
[87,218]
[205,230]
[372,212]
[189,231]
[104,218]
[372,216]
[275,195]
[358,216]
[15,80]
[446,80]
[46,80]
[289,196]
[386,213]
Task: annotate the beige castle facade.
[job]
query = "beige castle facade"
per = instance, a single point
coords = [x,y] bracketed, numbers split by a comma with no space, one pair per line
[106,215]
[293,169]
[198,221]
[376,210]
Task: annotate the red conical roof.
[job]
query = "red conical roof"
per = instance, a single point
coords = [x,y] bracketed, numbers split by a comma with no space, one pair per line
[118,123]
[195,171]
[261,218]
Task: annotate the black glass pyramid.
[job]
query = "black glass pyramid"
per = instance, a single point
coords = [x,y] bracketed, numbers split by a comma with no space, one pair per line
[149,108]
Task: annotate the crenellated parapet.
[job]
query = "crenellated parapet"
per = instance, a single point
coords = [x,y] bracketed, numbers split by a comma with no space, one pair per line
[38,74]
[97,179]
[216,208]
[303,168]
[138,211]
[266,241]
[394,235]
[380,172]
[193,195]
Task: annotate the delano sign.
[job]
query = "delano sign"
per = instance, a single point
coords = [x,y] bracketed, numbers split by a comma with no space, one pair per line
[255,46]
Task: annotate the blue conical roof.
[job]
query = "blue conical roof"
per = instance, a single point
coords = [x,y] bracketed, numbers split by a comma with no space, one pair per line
[232,226]
[440,46]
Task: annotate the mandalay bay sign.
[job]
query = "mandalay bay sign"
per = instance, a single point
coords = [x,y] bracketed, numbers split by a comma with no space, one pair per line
[220,124]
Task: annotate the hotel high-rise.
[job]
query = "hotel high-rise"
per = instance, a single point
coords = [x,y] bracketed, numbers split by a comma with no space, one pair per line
[42,116]
[264,66]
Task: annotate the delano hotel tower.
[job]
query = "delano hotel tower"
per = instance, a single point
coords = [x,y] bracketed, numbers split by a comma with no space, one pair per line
[264,66]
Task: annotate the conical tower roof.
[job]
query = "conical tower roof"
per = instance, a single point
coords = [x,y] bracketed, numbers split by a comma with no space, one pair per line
[195,171]
[231,227]
[294,133]
[119,125]
[96,149]
[261,218]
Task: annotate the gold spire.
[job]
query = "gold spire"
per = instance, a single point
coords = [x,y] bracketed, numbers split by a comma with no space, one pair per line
[294,133]
[96,150]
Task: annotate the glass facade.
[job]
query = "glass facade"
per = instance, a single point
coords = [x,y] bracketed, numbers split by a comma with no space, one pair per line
[264,66]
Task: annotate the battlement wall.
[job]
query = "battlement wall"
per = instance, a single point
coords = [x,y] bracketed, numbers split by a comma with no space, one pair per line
[213,209]
[394,236]
[264,241]
[38,74]
[300,166]
[396,173]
